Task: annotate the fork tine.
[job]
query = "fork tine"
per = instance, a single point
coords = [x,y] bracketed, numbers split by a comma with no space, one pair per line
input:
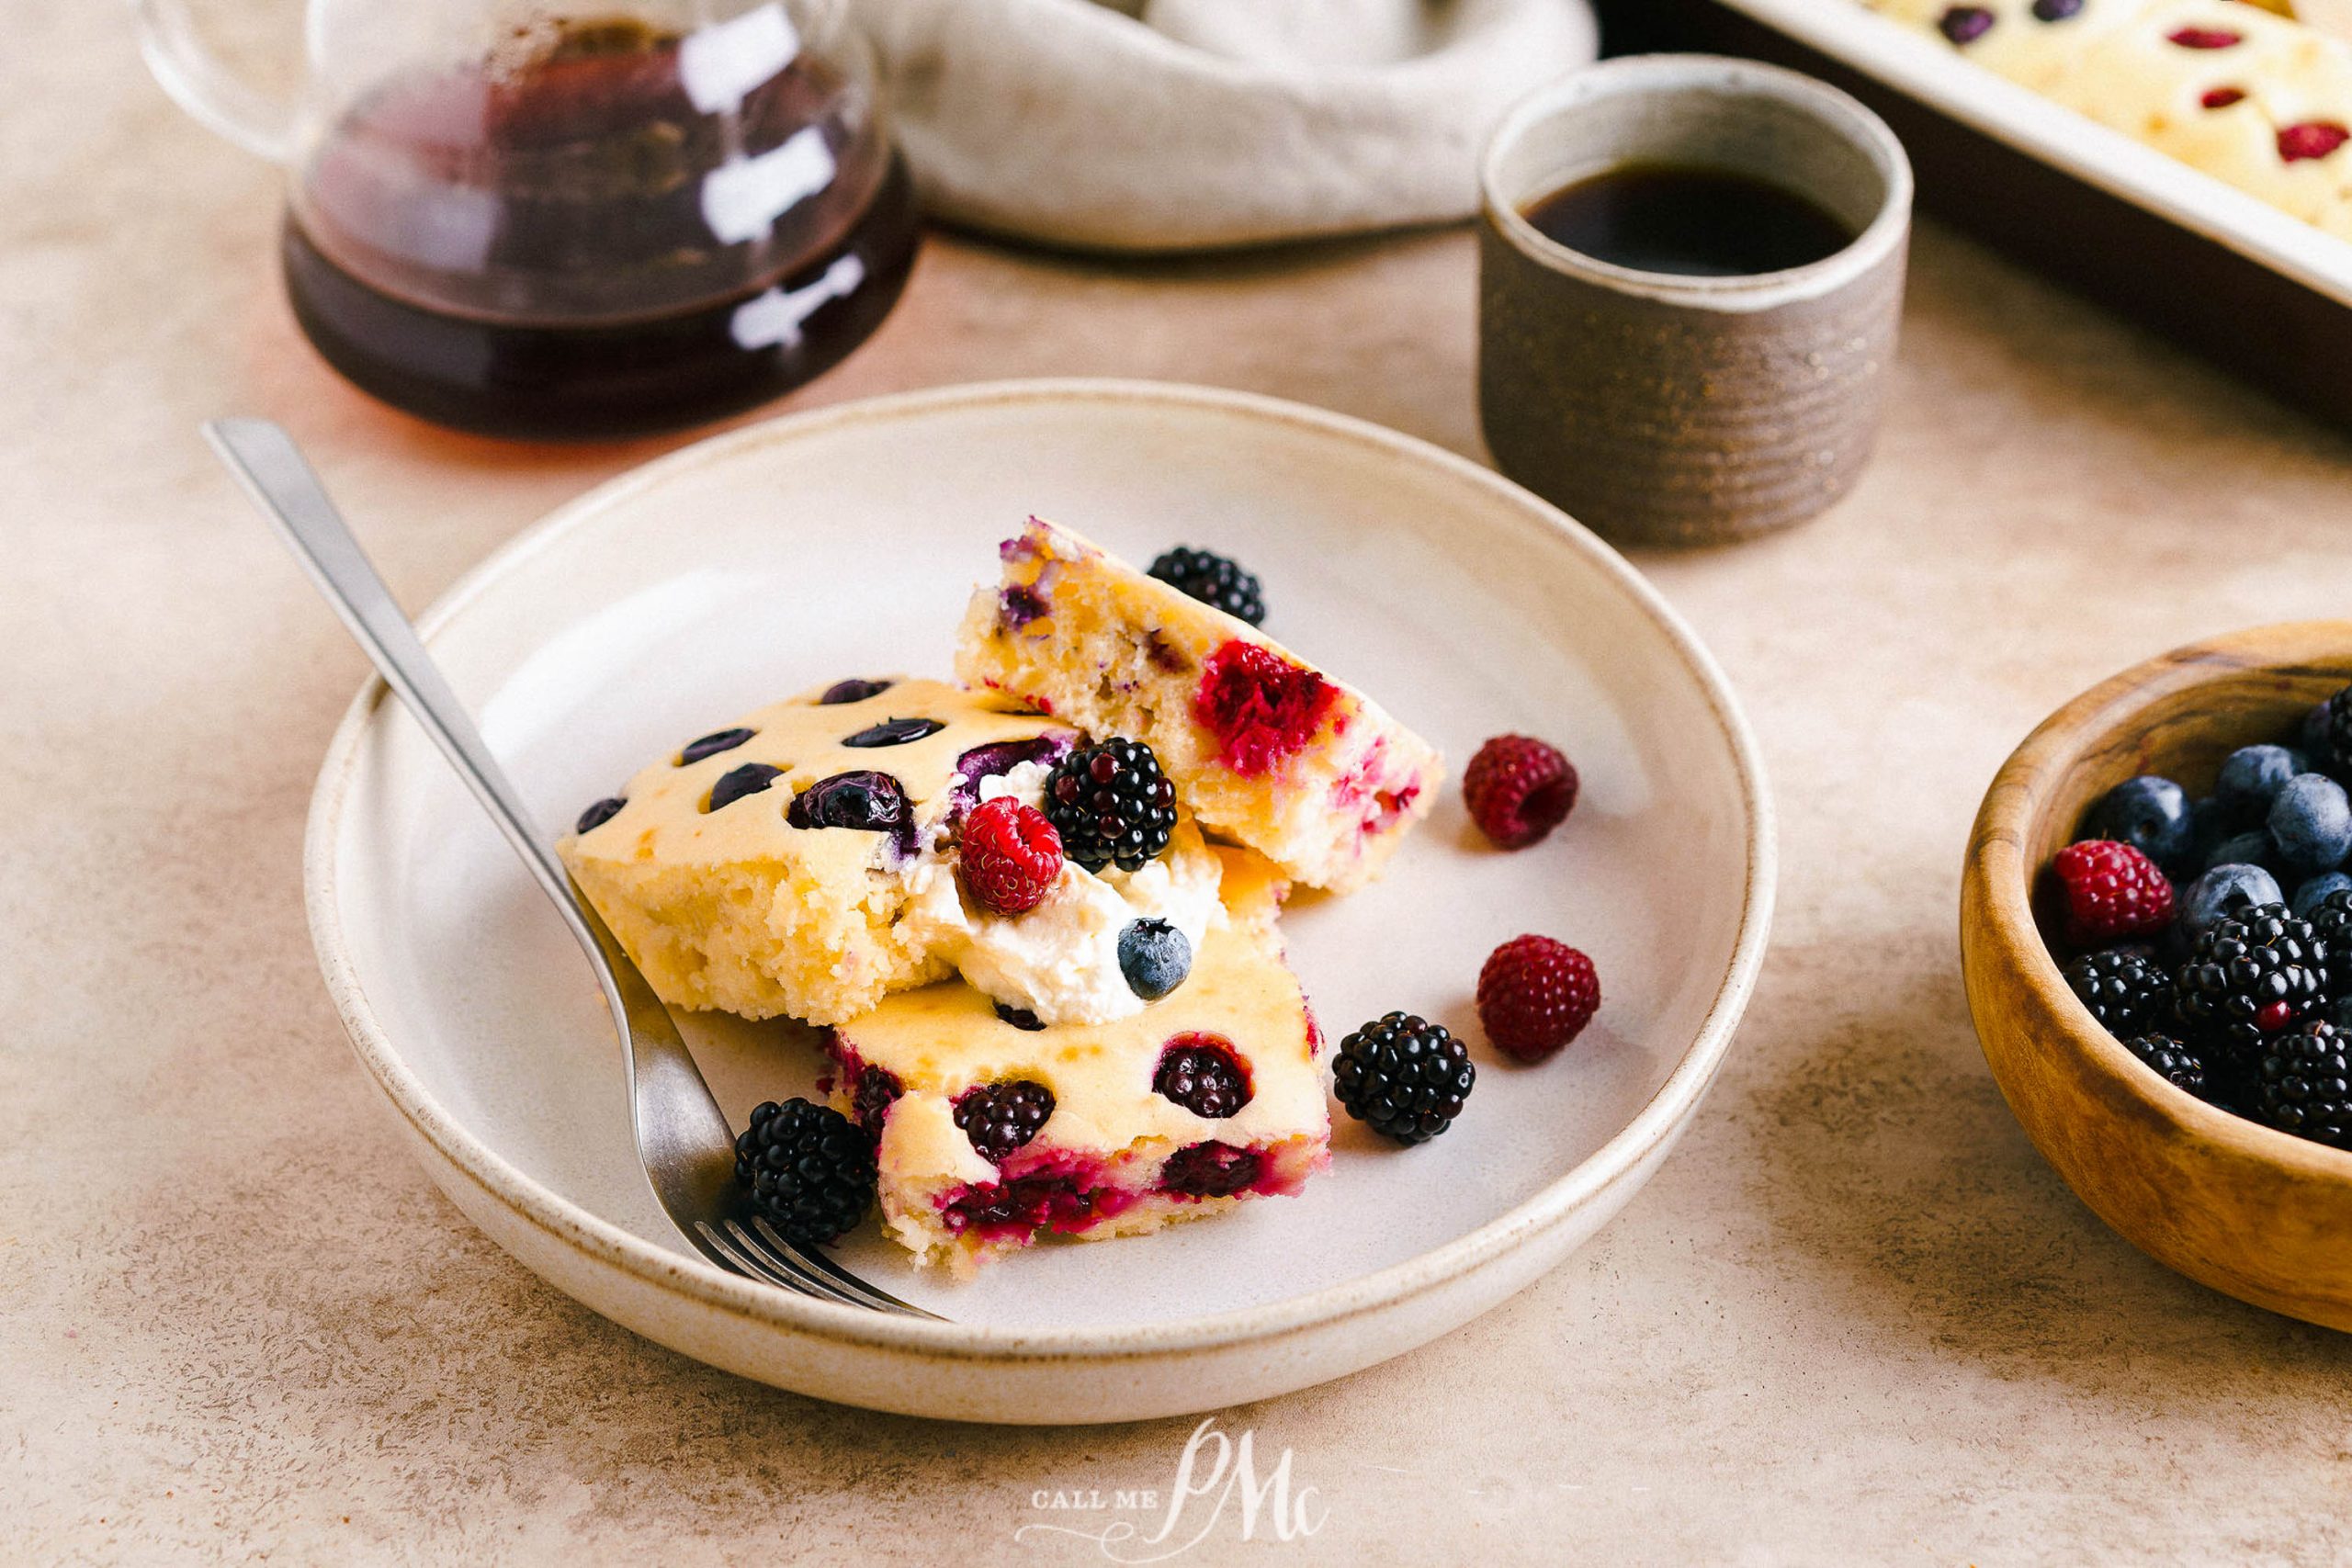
[779,1255]
[751,1266]
[812,1259]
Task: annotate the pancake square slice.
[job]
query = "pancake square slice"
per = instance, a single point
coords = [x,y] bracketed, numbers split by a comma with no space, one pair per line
[1266,751]
[994,1132]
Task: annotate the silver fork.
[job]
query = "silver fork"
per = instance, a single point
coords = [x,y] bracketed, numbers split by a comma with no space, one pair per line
[681,1135]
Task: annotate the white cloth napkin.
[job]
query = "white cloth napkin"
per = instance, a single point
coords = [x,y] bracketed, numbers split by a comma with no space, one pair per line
[1182,124]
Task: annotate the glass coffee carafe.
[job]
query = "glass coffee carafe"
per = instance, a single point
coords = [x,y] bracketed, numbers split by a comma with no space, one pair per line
[535,221]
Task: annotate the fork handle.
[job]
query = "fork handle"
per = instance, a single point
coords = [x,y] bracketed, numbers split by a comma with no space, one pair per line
[275,474]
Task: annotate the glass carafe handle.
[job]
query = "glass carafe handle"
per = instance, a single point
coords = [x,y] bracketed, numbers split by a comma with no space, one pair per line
[198,82]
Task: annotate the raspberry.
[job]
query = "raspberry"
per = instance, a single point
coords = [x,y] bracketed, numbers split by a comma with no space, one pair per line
[2204,37]
[2112,892]
[1001,1117]
[1518,789]
[2311,139]
[1213,580]
[808,1168]
[1535,995]
[1261,708]
[1011,856]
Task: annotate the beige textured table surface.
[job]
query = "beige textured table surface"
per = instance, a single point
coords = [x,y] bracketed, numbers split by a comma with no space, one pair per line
[1855,1317]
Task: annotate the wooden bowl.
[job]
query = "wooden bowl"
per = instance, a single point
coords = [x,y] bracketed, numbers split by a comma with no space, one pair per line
[2255,1213]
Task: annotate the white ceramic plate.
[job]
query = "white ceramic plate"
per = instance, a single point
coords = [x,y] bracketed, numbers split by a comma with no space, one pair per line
[844,542]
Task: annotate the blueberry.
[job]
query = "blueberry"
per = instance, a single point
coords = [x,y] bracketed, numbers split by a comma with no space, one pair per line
[711,745]
[893,732]
[2310,821]
[853,691]
[2253,848]
[734,785]
[599,814]
[2252,777]
[1154,957]
[2150,815]
[2310,895]
[867,802]
[2222,891]
[1020,1017]
[996,759]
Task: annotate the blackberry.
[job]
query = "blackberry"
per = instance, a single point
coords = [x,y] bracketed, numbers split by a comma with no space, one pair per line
[808,1168]
[2332,924]
[877,1090]
[1213,580]
[2331,726]
[2124,988]
[1201,1073]
[1000,1117]
[2303,1084]
[1406,1077]
[2256,972]
[2170,1060]
[1210,1170]
[1111,803]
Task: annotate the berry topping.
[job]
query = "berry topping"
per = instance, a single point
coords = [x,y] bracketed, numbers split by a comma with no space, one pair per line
[1111,803]
[893,732]
[2223,98]
[1019,606]
[1209,1171]
[1535,995]
[2112,892]
[737,782]
[868,802]
[2311,139]
[808,1168]
[852,691]
[2310,821]
[1261,708]
[711,745]
[2204,37]
[1020,1017]
[1154,957]
[2126,991]
[1011,856]
[2303,1084]
[1202,1073]
[1000,1117]
[2170,1060]
[877,1090]
[1518,789]
[1213,580]
[1404,1076]
[599,814]
[2150,814]
[1964,24]
[2254,975]
[2056,10]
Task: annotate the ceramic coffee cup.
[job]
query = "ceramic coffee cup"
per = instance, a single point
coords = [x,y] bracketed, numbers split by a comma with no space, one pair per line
[1665,408]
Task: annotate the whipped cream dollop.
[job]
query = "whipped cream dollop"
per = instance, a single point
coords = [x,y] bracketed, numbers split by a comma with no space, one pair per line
[1060,959]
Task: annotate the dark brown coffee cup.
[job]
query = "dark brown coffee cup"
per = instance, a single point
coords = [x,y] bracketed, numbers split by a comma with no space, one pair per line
[1664,409]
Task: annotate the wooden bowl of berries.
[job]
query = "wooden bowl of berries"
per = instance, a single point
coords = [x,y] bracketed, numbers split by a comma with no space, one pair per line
[2156,937]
